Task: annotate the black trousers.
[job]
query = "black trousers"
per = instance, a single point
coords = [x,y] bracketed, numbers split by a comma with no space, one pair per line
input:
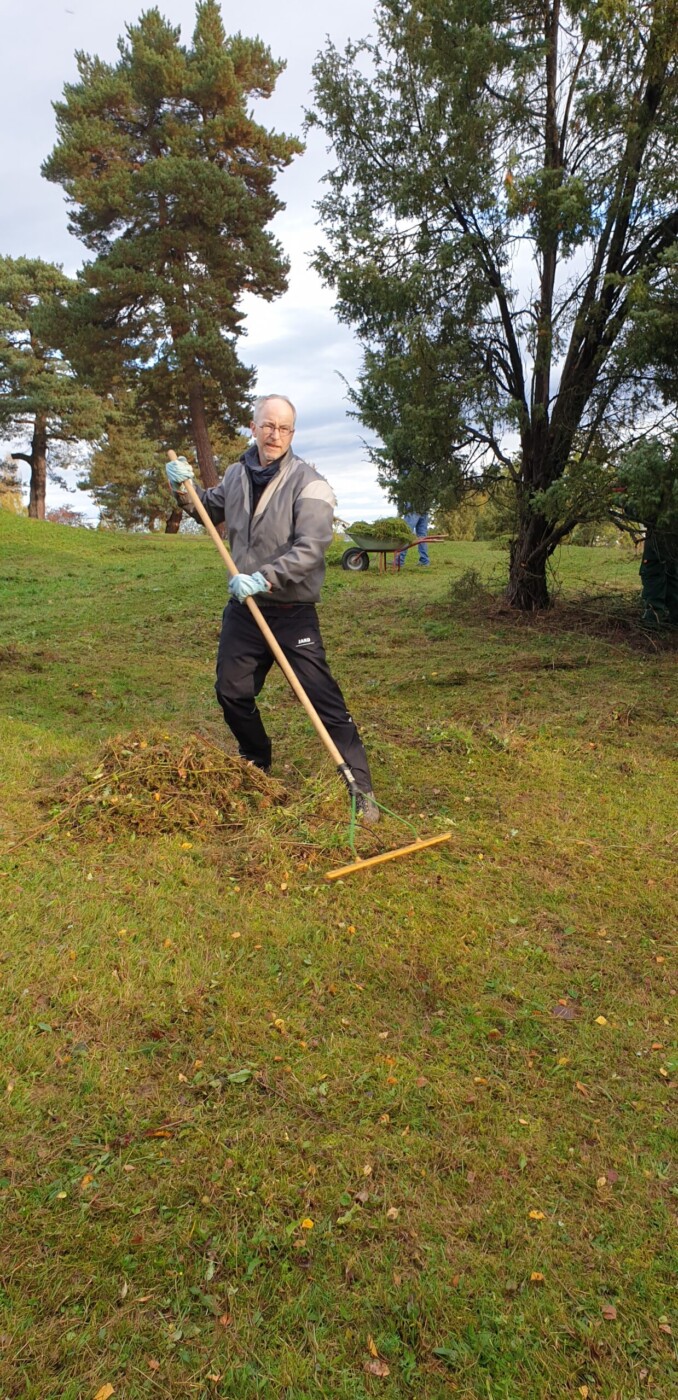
[244,661]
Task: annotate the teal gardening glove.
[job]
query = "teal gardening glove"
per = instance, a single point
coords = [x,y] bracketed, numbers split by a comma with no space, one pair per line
[178,471]
[243,586]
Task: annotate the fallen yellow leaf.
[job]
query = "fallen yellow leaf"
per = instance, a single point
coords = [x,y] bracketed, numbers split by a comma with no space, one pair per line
[601,1020]
[87,1180]
[537,1215]
[371,1347]
[536,1277]
[106,1391]
[307,1224]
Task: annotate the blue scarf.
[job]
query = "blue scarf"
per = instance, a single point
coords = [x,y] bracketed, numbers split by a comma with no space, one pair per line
[260,475]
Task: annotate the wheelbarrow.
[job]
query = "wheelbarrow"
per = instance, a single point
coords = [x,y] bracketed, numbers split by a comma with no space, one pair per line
[357,558]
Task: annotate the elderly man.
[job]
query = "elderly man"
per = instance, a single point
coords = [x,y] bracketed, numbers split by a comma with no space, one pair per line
[278,512]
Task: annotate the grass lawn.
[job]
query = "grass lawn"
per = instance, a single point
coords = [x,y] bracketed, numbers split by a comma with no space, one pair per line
[404,1136]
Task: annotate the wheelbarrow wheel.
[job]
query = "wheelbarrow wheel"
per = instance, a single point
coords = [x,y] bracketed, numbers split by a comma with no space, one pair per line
[355,560]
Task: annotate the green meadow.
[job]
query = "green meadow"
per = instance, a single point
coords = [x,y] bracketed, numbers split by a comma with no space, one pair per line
[408,1135]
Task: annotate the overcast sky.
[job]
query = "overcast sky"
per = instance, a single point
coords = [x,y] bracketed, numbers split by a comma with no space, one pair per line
[296,344]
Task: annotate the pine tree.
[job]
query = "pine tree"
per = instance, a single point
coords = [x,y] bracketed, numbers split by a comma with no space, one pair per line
[504,192]
[42,401]
[170,180]
[126,473]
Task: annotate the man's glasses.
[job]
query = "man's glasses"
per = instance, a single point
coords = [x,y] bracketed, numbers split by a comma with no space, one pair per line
[275,428]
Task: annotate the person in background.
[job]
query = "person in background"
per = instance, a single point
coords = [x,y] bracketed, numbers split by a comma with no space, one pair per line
[418,523]
[659,578]
[279,516]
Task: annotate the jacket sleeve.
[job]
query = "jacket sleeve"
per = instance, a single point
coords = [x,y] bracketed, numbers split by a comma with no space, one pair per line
[213,501]
[313,523]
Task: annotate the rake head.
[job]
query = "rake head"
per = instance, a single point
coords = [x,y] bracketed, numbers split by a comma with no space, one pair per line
[387,855]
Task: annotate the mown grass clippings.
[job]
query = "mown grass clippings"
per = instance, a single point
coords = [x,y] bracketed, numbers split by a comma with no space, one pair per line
[165,783]
[613,618]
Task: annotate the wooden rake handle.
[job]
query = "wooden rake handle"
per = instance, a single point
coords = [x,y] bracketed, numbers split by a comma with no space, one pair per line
[263,626]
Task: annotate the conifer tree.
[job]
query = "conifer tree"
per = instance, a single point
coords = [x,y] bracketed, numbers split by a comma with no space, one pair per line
[169,181]
[126,475]
[504,192]
[41,399]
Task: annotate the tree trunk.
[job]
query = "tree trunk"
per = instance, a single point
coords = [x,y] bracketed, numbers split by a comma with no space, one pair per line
[173,521]
[201,437]
[36,500]
[527,586]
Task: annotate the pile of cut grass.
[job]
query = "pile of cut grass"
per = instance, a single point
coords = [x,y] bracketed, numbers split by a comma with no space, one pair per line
[165,784]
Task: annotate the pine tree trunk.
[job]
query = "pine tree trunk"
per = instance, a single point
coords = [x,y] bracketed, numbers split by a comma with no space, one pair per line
[201,437]
[36,500]
[527,586]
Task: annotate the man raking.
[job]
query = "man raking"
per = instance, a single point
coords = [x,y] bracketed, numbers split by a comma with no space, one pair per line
[279,516]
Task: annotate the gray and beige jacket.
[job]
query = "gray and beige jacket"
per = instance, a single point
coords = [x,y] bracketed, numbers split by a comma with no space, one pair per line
[286,537]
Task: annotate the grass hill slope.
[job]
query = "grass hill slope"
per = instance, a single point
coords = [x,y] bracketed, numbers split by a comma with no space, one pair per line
[404,1136]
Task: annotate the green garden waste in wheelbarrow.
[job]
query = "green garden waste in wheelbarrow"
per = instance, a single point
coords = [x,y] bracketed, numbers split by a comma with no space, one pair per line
[357,557]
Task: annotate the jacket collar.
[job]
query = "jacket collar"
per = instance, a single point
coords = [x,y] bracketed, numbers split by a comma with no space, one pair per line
[282,465]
